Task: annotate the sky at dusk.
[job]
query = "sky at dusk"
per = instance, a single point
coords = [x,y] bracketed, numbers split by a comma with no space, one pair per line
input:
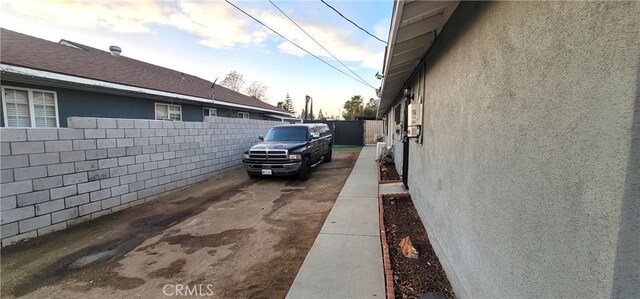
[210,38]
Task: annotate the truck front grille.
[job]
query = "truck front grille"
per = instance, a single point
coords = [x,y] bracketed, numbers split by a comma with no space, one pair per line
[268,154]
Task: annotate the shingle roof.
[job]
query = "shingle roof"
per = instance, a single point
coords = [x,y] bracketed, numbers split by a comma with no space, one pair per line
[27,51]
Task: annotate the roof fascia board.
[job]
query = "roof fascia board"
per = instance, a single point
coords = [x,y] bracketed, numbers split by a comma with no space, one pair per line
[284,117]
[396,20]
[223,103]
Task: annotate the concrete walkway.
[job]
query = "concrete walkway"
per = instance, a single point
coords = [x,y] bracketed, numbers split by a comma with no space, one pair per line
[346,259]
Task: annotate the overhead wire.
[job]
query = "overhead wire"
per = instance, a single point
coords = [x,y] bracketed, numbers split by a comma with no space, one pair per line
[293,43]
[319,44]
[352,22]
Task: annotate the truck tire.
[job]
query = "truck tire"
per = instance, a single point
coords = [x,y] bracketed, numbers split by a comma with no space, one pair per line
[305,169]
[252,175]
[327,156]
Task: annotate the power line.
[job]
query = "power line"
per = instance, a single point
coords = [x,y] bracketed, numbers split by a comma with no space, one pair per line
[299,47]
[369,33]
[325,49]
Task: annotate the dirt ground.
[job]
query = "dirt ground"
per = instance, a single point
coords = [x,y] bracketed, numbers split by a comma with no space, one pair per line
[412,277]
[388,173]
[229,237]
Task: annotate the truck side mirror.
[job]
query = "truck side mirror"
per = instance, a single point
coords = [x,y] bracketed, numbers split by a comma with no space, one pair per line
[315,135]
[261,138]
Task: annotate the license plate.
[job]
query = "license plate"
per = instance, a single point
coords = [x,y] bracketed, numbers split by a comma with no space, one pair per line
[266,172]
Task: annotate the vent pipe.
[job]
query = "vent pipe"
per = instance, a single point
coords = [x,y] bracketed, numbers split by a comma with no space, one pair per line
[115,51]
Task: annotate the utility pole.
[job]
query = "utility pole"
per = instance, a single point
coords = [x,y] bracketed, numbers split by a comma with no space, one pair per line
[306,107]
[311,114]
[308,112]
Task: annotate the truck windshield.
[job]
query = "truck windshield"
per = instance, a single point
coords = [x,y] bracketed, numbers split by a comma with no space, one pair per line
[287,134]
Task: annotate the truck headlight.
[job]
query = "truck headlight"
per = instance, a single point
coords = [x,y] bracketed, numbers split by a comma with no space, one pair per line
[295,157]
[246,156]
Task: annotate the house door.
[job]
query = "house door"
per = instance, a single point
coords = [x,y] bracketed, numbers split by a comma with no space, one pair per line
[405,146]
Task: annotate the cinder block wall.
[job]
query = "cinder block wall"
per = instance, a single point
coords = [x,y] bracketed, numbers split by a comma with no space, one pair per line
[55,178]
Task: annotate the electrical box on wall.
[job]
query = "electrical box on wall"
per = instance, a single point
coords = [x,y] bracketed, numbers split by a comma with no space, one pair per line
[415,114]
[415,120]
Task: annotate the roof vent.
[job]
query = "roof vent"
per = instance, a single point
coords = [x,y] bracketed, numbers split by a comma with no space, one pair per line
[115,51]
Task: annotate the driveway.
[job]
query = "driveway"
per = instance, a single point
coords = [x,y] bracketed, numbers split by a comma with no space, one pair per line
[229,237]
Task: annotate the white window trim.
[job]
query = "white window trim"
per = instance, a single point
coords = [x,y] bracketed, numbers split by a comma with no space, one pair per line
[241,115]
[155,116]
[209,109]
[32,116]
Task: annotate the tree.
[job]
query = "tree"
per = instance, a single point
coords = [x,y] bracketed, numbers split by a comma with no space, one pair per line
[233,80]
[352,108]
[370,111]
[257,91]
[321,115]
[371,108]
[288,104]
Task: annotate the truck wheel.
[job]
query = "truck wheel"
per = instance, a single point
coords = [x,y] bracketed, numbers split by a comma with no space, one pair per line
[252,175]
[327,156]
[305,169]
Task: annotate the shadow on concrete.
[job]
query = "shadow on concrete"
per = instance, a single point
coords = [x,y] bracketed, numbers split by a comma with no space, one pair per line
[626,275]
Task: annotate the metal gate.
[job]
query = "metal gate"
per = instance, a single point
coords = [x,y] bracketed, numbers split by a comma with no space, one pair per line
[345,132]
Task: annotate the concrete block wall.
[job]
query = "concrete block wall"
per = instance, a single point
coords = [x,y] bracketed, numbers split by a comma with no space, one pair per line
[54,178]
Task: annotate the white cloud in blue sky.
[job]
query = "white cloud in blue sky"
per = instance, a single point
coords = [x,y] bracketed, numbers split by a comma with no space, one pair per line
[211,38]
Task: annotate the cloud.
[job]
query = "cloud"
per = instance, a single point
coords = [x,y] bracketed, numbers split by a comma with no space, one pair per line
[338,41]
[124,17]
[215,23]
[290,48]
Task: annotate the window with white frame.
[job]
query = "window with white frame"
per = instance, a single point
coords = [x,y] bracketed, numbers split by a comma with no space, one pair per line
[243,115]
[210,112]
[168,112]
[25,107]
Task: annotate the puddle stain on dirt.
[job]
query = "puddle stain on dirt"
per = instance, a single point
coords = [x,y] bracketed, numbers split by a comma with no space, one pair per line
[162,220]
[191,243]
[296,237]
[117,249]
[174,269]
[97,265]
[75,263]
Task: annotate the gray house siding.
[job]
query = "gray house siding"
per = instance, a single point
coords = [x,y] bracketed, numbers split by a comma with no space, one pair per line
[192,112]
[92,104]
[233,113]
[527,168]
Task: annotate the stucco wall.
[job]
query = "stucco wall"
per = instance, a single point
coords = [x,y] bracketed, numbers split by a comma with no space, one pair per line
[55,178]
[526,163]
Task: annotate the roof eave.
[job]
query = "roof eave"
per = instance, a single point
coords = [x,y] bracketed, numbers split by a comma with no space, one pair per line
[414,26]
[393,32]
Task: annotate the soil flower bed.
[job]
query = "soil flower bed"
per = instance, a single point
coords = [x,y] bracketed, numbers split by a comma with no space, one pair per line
[411,277]
[388,173]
